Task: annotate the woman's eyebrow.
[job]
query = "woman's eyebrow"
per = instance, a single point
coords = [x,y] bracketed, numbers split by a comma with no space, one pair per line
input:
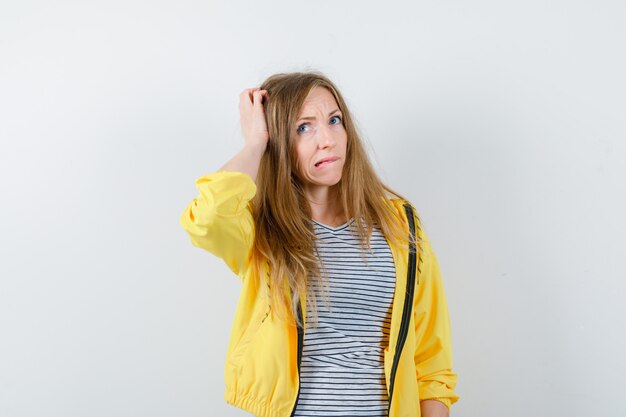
[313,117]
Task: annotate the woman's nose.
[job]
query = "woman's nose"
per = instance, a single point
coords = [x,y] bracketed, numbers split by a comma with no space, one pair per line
[325,137]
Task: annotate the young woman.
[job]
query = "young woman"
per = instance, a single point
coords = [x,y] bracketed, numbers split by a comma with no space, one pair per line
[301,217]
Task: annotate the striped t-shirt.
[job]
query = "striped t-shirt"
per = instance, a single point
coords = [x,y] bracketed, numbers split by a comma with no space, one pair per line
[342,359]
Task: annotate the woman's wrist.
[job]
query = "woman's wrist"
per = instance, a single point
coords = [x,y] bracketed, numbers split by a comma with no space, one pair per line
[433,408]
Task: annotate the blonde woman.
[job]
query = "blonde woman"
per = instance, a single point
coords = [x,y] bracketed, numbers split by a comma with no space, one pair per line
[300,216]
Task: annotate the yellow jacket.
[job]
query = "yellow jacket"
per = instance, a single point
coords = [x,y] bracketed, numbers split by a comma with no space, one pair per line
[263,357]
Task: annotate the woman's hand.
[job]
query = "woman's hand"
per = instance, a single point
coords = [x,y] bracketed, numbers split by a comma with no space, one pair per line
[255,133]
[252,117]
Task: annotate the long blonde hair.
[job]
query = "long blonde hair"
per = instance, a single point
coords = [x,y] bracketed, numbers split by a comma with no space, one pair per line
[284,234]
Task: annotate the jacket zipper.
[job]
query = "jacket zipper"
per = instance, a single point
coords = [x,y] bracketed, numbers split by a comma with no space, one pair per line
[300,344]
[408,304]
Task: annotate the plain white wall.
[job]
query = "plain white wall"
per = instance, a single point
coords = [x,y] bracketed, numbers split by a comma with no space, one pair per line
[503,122]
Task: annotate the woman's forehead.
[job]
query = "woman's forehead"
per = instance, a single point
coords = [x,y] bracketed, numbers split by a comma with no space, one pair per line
[318,98]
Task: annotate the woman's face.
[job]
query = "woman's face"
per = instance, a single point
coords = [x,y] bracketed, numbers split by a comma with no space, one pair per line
[320,140]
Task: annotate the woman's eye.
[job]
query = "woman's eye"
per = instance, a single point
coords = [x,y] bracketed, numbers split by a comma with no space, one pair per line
[304,127]
[338,118]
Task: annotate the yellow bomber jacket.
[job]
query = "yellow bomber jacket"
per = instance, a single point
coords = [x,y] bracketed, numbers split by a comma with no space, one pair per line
[264,353]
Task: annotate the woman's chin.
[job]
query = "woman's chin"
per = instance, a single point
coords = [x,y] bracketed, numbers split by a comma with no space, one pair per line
[325,182]
[330,180]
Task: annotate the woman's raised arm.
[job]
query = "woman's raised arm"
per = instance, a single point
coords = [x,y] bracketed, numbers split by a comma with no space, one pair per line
[219,218]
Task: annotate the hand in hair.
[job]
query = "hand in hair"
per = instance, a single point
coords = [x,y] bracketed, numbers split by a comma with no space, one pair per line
[252,117]
[254,130]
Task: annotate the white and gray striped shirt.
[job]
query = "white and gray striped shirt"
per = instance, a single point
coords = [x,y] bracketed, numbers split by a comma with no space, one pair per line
[342,359]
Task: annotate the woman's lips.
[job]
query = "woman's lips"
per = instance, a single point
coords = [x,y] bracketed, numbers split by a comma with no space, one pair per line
[325,162]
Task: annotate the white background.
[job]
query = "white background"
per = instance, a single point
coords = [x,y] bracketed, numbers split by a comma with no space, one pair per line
[503,122]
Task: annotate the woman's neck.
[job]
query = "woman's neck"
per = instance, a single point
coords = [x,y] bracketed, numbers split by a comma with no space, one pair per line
[325,206]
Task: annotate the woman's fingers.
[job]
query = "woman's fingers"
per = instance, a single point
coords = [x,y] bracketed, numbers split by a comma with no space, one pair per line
[252,97]
[257,97]
[252,115]
[248,94]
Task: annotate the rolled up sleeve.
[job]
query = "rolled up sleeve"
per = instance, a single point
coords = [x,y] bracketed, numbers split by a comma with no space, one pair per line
[433,353]
[219,219]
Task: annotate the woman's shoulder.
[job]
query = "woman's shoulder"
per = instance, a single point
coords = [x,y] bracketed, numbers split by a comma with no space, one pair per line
[400,204]
[403,209]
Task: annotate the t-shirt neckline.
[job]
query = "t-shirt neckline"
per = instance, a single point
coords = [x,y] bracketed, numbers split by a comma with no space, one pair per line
[335,228]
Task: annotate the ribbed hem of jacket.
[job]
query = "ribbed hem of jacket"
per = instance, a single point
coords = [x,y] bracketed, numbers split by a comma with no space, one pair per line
[253,405]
